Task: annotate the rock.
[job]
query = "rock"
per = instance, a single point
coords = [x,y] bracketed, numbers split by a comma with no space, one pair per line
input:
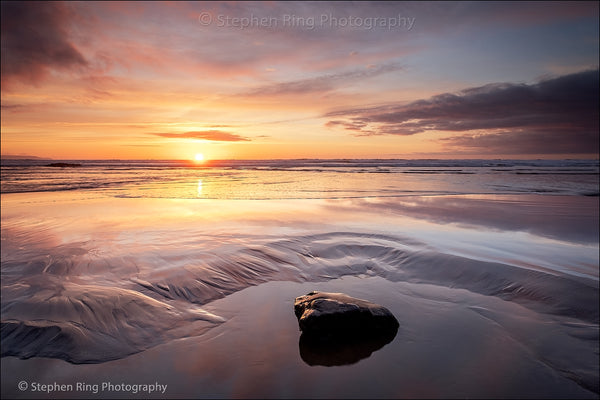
[337,314]
[63,165]
[338,329]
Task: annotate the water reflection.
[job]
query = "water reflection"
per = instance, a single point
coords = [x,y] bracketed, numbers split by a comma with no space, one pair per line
[199,187]
[344,350]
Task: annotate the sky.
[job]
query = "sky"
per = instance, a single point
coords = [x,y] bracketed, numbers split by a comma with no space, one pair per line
[272,80]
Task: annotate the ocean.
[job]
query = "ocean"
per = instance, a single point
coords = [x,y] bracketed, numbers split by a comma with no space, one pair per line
[122,273]
[303,179]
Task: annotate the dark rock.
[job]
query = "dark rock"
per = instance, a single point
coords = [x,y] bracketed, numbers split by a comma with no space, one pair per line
[63,165]
[337,314]
[338,329]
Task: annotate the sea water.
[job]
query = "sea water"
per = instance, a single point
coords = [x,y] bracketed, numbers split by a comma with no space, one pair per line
[114,263]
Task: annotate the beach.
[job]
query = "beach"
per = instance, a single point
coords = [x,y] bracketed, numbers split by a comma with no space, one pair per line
[318,200]
[120,290]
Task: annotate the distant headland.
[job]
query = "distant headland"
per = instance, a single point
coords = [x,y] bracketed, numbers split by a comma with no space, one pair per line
[22,157]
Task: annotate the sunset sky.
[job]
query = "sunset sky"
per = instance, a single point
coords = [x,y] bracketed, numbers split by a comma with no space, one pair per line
[253,80]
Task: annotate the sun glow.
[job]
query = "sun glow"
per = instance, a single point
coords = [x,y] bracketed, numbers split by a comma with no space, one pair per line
[199,157]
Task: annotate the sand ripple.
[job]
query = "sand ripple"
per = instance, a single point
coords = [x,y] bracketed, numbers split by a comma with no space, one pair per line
[72,303]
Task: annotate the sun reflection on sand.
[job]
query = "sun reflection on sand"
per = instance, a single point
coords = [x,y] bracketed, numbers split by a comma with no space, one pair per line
[176,267]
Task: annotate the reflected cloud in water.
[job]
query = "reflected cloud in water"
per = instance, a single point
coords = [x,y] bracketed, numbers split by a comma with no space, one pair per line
[567,218]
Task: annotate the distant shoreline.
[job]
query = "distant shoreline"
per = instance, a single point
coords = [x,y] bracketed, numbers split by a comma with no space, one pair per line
[26,157]
[13,157]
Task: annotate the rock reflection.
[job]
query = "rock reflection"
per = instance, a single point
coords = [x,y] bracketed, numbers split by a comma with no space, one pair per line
[343,350]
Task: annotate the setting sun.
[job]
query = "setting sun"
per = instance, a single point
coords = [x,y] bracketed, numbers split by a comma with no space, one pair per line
[199,157]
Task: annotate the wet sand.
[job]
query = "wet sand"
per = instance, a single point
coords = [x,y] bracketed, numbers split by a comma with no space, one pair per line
[496,295]
[451,343]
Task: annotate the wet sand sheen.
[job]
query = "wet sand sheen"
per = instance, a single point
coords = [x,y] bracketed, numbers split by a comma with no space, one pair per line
[198,294]
[256,352]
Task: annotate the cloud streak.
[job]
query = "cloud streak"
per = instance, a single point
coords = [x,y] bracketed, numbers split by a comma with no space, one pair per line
[558,115]
[323,83]
[212,135]
[35,40]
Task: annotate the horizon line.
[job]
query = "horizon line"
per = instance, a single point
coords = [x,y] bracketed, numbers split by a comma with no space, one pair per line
[28,157]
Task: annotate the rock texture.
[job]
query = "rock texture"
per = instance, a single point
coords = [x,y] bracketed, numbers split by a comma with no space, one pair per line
[337,314]
[338,329]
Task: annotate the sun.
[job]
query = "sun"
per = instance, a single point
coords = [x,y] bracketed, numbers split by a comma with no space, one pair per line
[199,157]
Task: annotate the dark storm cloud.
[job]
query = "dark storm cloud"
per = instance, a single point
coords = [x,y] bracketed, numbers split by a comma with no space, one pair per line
[553,116]
[34,40]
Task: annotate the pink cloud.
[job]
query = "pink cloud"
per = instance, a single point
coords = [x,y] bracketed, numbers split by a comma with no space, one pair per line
[212,135]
